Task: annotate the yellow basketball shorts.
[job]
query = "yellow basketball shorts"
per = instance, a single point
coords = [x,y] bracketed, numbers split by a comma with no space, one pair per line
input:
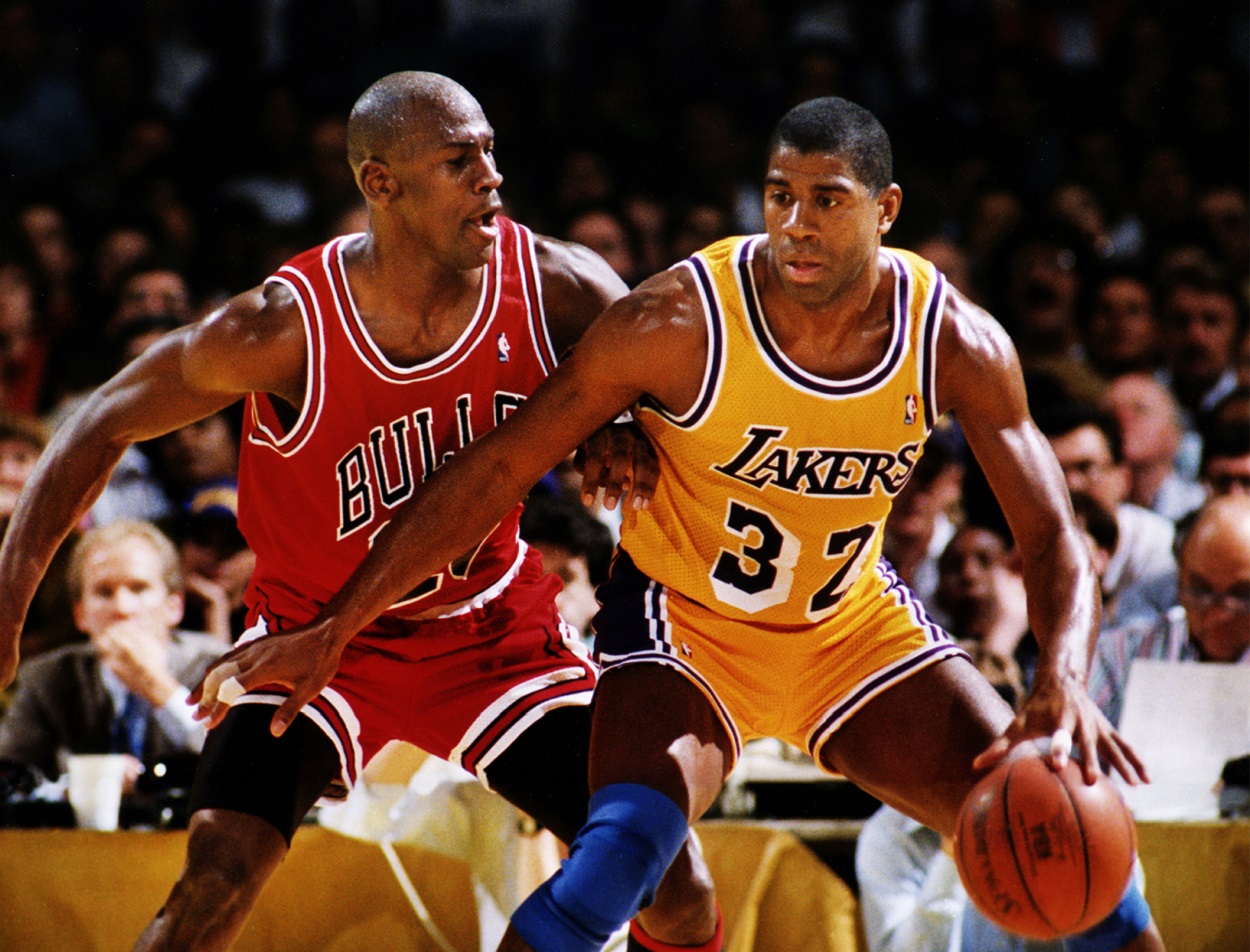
[795,683]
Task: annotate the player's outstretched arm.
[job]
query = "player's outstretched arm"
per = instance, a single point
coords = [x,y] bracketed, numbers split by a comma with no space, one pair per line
[652,341]
[979,379]
[578,285]
[189,374]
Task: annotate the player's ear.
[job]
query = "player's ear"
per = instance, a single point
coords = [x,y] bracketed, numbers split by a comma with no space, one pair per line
[376,181]
[888,203]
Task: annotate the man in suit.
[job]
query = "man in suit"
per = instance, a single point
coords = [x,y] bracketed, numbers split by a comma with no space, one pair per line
[123,690]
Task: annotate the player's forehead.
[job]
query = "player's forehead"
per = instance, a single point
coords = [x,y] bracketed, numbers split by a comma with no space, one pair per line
[449,121]
[790,166]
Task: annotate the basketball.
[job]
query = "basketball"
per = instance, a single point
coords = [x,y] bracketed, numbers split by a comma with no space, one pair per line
[1040,852]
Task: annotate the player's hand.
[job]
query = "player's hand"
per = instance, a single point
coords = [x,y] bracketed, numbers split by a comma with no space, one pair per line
[619,461]
[302,660]
[1061,712]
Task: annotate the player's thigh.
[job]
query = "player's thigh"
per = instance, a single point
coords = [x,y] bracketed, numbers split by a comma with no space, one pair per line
[913,745]
[652,725]
[244,768]
[544,771]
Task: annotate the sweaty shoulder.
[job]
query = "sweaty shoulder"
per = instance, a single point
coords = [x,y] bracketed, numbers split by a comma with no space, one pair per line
[578,285]
[658,333]
[254,342]
[977,366]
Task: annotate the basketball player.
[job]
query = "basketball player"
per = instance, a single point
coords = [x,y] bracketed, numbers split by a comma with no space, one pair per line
[788,381]
[365,364]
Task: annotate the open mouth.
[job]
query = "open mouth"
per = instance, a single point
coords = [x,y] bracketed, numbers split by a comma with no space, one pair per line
[486,223]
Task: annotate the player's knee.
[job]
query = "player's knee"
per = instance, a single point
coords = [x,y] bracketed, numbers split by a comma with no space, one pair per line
[1129,920]
[614,866]
[230,856]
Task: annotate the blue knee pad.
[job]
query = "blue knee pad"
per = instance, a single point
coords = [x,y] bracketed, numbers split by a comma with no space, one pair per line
[1126,922]
[631,835]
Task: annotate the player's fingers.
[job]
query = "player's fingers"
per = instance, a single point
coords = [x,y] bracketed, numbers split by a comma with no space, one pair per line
[286,713]
[1139,765]
[992,754]
[1117,762]
[1061,749]
[645,474]
[210,688]
[618,481]
[1122,759]
[592,478]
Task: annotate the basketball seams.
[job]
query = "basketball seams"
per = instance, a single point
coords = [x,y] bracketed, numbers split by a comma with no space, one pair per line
[1080,825]
[1025,884]
[961,841]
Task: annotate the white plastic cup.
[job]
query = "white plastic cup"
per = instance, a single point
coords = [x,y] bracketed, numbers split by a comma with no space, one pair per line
[95,789]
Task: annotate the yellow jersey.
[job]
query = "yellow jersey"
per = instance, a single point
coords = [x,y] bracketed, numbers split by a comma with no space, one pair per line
[775,485]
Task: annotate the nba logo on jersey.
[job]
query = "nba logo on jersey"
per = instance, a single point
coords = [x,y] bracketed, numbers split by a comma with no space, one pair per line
[909,409]
[504,348]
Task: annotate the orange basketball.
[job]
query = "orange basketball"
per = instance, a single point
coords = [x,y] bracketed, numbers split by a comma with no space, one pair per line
[1041,853]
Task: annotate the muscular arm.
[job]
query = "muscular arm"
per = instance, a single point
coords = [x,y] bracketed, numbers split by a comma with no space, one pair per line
[578,286]
[980,381]
[250,344]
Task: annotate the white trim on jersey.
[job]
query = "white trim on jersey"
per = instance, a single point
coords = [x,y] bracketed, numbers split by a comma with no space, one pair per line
[314,385]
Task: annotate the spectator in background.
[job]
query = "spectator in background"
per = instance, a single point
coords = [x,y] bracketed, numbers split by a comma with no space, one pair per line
[981,590]
[134,489]
[576,547]
[949,257]
[54,262]
[1120,330]
[1209,622]
[1039,306]
[216,560]
[1141,575]
[1226,459]
[1224,213]
[697,224]
[22,439]
[123,691]
[602,230]
[201,453]
[119,251]
[151,289]
[1203,320]
[993,215]
[919,525]
[1151,428]
[23,350]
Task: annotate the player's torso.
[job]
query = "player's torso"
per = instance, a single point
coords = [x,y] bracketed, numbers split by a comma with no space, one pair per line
[313,494]
[775,485]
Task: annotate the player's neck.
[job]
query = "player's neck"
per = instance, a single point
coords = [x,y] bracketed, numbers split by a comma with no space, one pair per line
[412,306]
[836,336]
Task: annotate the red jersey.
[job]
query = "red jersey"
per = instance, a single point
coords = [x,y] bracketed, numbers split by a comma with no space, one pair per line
[312,497]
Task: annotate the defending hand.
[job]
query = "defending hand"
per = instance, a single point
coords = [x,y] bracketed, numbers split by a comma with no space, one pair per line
[619,460]
[302,660]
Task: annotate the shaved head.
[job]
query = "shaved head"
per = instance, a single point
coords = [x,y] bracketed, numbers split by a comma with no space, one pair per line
[391,113]
[1223,526]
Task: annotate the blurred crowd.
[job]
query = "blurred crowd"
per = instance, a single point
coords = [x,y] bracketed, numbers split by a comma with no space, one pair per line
[1078,167]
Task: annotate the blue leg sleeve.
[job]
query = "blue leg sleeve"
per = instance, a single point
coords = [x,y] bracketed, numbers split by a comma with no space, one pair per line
[631,835]
[1126,922]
